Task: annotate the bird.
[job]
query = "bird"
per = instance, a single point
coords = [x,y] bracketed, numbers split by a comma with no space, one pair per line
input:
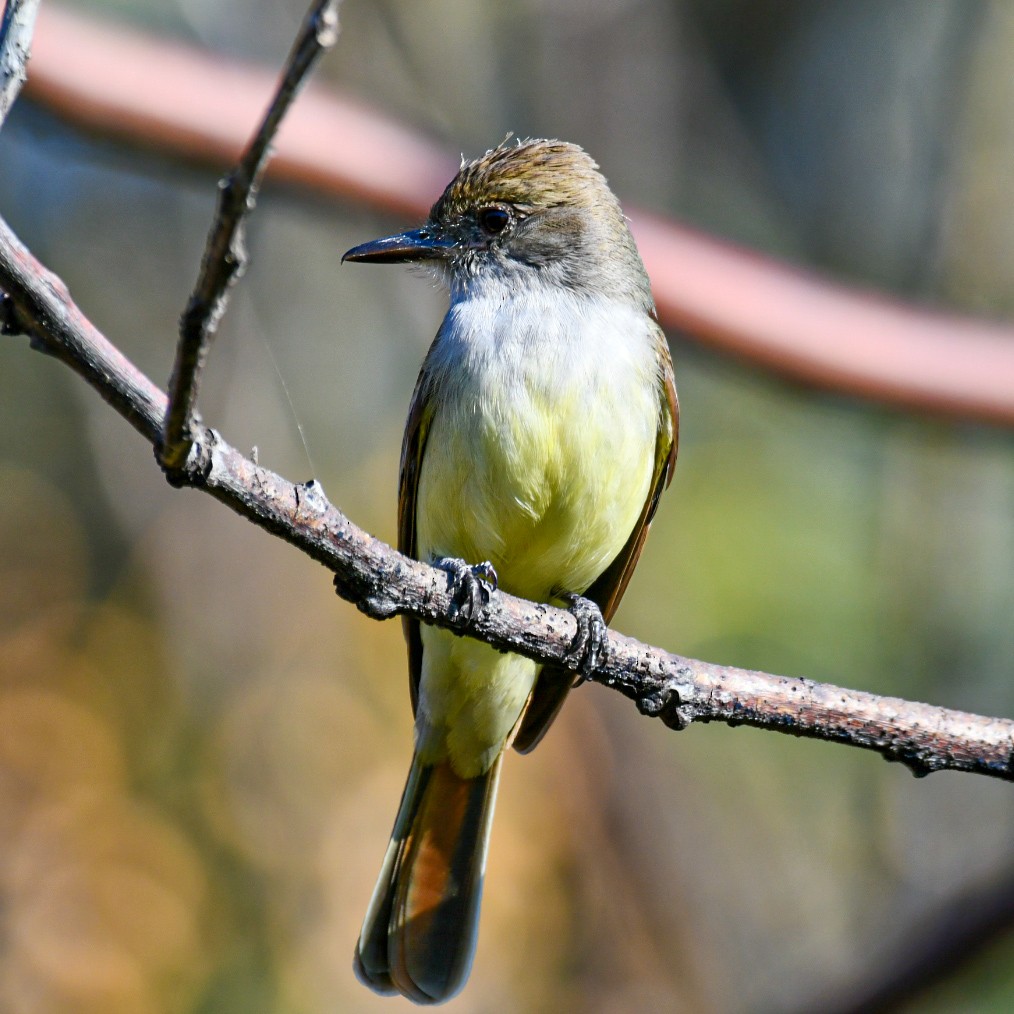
[541,434]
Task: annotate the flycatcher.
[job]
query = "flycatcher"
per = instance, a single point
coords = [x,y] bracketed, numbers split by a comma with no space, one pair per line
[541,434]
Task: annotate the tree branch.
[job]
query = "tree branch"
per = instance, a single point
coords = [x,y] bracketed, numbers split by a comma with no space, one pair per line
[382,583]
[16,29]
[225,257]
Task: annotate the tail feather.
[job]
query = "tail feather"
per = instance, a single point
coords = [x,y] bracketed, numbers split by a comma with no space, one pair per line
[419,934]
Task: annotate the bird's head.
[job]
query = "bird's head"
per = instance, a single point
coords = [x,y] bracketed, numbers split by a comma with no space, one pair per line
[530,212]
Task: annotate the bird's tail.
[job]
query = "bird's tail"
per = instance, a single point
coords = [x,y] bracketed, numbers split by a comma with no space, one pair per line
[419,933]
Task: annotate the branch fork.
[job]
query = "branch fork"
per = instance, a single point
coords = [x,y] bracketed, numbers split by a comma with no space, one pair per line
[225,255]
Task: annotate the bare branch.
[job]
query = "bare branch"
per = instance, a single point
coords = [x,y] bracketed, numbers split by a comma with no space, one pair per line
[782,319]
[38,304]
[382,583]
[16,29]
[225,256]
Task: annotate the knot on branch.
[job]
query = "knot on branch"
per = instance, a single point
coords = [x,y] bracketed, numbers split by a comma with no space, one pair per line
[664,701]
[197,466]
[325,28]
[367,593]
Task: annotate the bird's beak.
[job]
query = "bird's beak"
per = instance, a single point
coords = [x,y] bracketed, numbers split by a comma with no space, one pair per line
[418,245]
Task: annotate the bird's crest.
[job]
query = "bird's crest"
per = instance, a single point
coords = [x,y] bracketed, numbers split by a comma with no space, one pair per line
[529,173]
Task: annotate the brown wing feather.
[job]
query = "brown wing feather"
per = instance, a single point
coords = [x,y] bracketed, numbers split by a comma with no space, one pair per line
[554,682]
[413,445]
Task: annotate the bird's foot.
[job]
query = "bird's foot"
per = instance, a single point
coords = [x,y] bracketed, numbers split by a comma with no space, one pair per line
[470,587]
[590,646]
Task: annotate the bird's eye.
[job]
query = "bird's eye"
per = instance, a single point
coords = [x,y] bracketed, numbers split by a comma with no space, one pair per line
[494,220]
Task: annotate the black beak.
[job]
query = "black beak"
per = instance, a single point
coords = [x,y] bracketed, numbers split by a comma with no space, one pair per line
[418,245]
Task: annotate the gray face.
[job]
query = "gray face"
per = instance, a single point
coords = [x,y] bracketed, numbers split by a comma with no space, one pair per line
[560,245]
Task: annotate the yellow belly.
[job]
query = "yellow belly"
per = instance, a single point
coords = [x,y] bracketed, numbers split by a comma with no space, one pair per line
[548,493]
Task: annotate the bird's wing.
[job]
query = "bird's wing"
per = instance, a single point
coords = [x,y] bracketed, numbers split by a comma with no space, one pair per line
[555,681]
[420,414]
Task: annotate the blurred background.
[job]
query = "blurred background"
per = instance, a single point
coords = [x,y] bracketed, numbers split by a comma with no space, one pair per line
[202,749]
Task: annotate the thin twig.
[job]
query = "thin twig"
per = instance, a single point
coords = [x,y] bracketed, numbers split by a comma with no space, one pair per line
[16,29]
[225,257]
[383,583]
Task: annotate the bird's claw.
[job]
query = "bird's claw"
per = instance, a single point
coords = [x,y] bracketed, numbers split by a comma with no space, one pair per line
[590,645]
[470,587]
